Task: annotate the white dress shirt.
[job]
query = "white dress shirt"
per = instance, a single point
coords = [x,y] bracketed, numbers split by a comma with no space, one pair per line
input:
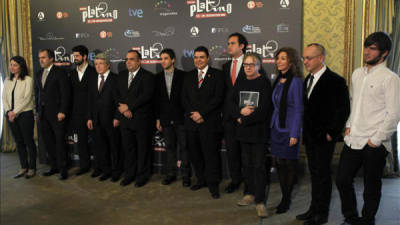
[80,73]
[204,70]
[317,75]
[105,78]
[375,107]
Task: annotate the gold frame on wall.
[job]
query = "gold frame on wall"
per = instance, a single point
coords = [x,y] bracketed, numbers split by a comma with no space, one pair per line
[349,33]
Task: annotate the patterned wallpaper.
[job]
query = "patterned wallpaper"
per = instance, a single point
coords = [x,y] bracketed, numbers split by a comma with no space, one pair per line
[324,22]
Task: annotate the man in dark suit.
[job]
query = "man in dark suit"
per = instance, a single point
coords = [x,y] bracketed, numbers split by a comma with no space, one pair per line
[202,99]
[80,77]
[103,119]
[53,95]
[326,108]
[170,116]
[233,72]
[136,87]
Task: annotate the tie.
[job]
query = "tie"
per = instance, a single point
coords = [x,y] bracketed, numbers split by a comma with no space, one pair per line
[234,71]
[130,78]
[44,77]
[310,84]
[101,83]
[200,77]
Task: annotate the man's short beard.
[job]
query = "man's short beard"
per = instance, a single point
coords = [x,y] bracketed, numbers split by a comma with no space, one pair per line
[78,63]
[374,61]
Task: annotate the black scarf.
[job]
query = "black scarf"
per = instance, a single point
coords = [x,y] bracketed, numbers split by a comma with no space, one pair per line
[283,103]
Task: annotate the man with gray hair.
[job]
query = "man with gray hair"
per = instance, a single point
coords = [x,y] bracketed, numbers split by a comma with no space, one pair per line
[326,108]
[103,120]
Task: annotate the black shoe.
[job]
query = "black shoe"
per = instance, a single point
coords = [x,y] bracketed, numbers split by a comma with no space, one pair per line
[140,183]
[197,186]
[316,220]
[81,172]
[186,182]
[104,177]
[95,173]
[125,182]
[115,178]
[232,187]
[215,195]
[283,207]
[63,175]
[50,172]
[20,174]
[305,216]
[168,180]
[351,221]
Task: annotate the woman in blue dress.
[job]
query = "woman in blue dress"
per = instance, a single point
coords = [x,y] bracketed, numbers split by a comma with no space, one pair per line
[287,99]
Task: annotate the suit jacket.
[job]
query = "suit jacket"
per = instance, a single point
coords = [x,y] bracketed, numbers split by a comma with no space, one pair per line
[138,97]
[207,100]
[327,109]
[226,69]
[80,91]
[102,106]
[55,96]
[169,110]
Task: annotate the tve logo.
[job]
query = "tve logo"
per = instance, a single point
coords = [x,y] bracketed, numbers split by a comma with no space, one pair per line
[136,12]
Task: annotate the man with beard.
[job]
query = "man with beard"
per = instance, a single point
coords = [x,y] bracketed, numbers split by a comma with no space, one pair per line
[80,77]
[169,113]
[52,97]
[375,113]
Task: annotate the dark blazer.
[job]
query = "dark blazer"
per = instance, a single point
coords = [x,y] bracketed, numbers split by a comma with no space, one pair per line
[169,110]
[207,100]
[327,109]
[138,97]
[102,106]
[55,96]
[80,91]
[226,69]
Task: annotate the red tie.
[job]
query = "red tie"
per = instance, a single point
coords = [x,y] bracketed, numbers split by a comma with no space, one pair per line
[233,75]
[200,77]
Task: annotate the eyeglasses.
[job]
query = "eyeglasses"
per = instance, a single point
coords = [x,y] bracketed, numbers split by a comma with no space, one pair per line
[249,65]
[308,58]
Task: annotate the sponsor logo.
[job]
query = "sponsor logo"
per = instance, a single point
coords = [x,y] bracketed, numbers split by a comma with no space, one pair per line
[114,55]
[135,12]
[219,53]
[188,53]
[282,28]
[215,30]
[251,29]
[266,51]
[150,54]
[50,37]
[254,4]
[209,9]
[81,35]
[105,34]
[62,15]
[61,58]
[41,17]
[130,33]
[98,14]
[168,31]
[194,31]
[165,8]
[284,4]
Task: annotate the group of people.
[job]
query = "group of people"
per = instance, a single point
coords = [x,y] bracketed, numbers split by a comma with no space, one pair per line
[195,110]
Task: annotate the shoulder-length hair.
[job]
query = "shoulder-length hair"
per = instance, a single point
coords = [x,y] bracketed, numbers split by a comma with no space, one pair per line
[23,68]
[294,60]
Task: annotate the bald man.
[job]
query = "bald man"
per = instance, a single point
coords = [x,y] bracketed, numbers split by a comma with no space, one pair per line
[326,109]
